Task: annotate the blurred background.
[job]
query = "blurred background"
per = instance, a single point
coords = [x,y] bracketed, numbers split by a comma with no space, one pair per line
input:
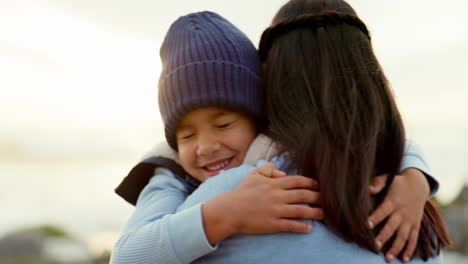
[78,108]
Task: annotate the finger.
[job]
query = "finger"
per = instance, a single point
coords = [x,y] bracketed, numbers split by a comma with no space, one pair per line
[300,212]
[296,182]
[399,243]
[267,169]
[294,226]
[383,211]
[296,196]
[411,246]
[388,230]
[278,174]
[378,184]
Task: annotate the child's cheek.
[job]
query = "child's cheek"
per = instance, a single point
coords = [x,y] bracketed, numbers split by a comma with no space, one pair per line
[184,156]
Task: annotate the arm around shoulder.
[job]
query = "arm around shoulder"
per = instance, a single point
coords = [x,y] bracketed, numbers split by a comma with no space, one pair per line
[414,158]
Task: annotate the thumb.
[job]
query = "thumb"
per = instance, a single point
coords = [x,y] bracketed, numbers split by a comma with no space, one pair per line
[277,173]
[267,170]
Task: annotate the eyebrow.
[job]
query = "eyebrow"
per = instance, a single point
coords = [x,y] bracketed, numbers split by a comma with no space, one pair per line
[219,114]
[213,116]
[182,127]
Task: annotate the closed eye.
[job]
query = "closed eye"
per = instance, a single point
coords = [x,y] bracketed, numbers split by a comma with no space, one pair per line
[187,136]
[224,125]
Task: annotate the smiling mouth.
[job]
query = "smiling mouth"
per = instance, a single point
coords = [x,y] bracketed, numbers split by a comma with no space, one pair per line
[213,168]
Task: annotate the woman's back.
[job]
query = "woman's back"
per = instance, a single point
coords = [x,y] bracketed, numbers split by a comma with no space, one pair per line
[318,246]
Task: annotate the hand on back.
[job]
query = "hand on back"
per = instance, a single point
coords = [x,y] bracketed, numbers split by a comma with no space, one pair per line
[266,201]
[403,209]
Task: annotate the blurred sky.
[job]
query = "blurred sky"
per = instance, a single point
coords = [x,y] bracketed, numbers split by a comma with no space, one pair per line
[79,77]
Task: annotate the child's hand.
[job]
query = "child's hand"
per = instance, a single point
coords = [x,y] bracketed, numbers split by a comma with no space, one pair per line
[403,206]
[264,202]
[269,201]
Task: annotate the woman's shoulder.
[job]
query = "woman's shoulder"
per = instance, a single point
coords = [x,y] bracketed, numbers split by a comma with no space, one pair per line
[319,246]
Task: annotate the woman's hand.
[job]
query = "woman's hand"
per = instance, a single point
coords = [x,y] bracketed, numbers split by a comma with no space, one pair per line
[266,201]
[403,207]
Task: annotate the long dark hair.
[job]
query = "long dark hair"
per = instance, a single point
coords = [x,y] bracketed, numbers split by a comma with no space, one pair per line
[331,109]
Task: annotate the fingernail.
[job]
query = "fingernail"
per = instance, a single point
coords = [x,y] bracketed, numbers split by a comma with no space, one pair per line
[390,257]
[372,188]
[314,185]
[370,224]
[309,228]
[378,244]
[405,259]
[321,215]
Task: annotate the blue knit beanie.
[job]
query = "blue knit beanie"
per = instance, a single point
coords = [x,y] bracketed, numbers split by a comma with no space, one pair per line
[207,62]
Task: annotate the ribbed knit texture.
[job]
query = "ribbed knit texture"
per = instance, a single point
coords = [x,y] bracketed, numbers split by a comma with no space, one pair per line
[155,234]
[207,62]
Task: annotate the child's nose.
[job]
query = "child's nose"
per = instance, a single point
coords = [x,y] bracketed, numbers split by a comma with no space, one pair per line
[207,146]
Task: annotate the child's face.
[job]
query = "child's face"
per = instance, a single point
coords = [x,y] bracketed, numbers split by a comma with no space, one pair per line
[213,139]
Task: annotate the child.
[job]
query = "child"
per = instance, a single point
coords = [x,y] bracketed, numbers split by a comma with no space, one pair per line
[209,96]
[210,88]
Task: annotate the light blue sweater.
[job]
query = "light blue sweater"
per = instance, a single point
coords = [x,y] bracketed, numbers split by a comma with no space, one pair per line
[167,227]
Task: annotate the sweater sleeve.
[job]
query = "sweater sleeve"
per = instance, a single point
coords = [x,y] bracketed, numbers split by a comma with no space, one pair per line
[156,233]
[413,158]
